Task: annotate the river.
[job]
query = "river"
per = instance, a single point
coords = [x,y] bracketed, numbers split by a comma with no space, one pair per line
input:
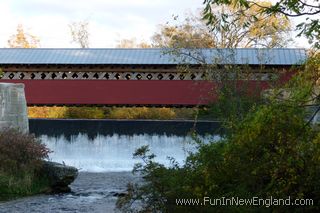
[102,151]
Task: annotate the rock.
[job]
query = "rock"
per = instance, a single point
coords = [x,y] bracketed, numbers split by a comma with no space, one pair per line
[13,107]
[119,194]
[59,176]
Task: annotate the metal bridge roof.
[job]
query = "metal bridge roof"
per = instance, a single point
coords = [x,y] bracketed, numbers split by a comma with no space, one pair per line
[152,56]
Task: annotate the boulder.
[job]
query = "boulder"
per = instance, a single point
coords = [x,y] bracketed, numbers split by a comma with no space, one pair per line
[59,175]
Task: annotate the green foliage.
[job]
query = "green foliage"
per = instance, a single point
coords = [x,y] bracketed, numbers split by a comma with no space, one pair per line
[271,153]
[272,150]
[21,184]
[85,112]
[185,113]
[21,157]
[233,103]
[267,152]
[236,97]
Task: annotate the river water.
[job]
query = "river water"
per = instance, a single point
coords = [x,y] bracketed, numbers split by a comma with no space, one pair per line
[104,159]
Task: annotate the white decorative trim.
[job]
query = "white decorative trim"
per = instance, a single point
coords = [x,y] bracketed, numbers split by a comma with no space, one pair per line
[177,76]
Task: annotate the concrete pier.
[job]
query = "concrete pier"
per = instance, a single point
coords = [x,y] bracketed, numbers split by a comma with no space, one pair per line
[13,107]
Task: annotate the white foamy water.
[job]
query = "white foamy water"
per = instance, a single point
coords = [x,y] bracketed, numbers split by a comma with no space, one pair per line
[115,153]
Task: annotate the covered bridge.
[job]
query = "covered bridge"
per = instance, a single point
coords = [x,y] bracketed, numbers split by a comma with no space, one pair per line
[135,77]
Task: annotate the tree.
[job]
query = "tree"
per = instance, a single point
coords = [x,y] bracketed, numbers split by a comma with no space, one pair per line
[132,43]
[288,8]
[226,31]
[191,33]
[272,152]
[23,39]
[80,33]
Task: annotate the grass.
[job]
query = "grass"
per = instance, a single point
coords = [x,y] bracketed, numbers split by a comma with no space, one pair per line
[13,186]
[21,158]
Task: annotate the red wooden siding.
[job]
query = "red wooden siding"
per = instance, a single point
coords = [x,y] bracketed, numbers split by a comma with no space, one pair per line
[125,92]
[121,92]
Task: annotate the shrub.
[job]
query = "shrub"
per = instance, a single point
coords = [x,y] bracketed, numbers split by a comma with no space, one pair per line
[85,112]
[270,150]
[20,152]
[271,153]
[186,113]
[20,159]
[113,113]
[66,112]
[47,112]
[141,113]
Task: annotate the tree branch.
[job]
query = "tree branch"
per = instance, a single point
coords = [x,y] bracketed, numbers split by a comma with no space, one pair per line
[309,5]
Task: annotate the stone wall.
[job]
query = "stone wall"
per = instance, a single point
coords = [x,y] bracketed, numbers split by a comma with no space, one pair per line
[13,107]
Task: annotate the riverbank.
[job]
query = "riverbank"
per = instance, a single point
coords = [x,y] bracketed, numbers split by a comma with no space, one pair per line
[45,178]
[90,192]
[21,185]
[21,156]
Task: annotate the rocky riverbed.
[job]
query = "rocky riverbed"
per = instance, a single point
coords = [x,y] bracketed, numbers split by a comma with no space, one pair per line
[90,192]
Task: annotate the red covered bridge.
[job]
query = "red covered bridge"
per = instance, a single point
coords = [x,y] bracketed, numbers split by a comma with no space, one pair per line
[135,77]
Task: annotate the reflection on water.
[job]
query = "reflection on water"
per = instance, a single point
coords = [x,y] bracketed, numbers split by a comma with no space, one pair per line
[115,153]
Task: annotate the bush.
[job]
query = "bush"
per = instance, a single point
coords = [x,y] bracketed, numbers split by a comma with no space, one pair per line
[85,112]
[66,112]
[272,153]
[271,149]
[186,113]
[141,113]
[112,113]
[20,159]
[47,112]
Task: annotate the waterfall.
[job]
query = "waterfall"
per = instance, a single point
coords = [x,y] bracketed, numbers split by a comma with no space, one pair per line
[115,152]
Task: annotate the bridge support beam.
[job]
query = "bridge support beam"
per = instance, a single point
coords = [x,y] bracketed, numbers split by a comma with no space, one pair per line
[13,108]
